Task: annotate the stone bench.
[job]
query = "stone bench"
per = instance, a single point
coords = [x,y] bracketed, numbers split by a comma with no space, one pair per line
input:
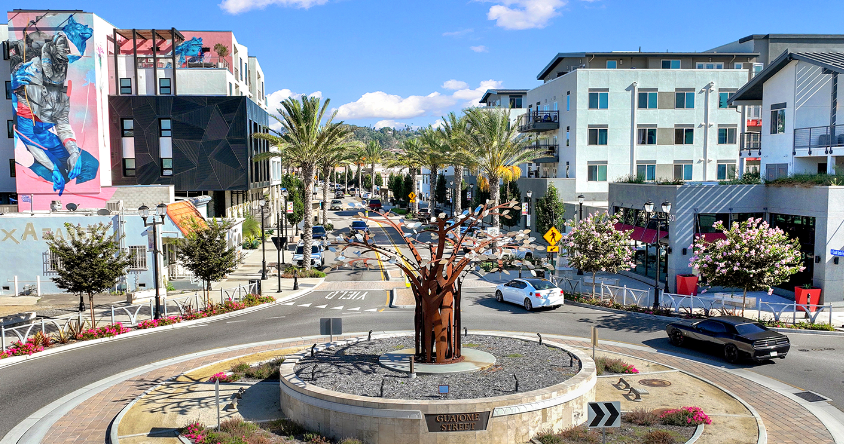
[734,299]
[634,393]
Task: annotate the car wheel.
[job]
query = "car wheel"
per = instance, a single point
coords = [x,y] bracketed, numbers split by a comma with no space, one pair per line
[731,353]
[498,296]
[528,305]
[677,338]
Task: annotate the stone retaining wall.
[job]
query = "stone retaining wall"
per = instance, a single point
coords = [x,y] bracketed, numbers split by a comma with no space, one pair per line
[512,418]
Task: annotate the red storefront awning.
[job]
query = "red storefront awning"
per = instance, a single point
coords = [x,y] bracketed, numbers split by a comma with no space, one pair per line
[710,237]
[623,227]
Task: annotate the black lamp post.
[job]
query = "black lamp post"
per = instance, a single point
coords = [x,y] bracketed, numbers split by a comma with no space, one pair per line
[452,199]
[160,212]
[469,195]
[529,195]
[261,204]
[649,208]
[580,200]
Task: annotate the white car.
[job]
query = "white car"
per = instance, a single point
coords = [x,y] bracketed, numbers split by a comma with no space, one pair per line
[530,293]
[317,255]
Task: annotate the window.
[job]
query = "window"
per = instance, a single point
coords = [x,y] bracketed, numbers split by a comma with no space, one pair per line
[778,121]
[597,136]
[684,100]
[125,86]
[52,262]
[164,86]
[599,100]
[568,100]
[683,171]
[738,65]
[712,327]
[670,64]
[646,136]
[568,132]
[726,170]
[757,68]
[612,64]
[710,65]
[12,168]
[726,136]
[10,128]
[723,97]
[127,126]
[128,167]
[138,257]
[597,173]
[684,136]
[230,89]
[164,129]
[646,172]
[8,90]
[166,166]
[515,101]
[647,100]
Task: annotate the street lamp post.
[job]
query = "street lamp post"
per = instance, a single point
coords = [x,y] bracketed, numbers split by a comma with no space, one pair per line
[261,204]
[284,212]
[529,195]
[160,211]
[279,247]
[580,200]
[649,208]
[453,198]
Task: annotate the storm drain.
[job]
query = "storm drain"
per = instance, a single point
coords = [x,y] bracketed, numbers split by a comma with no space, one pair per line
[811,397]
[654,382]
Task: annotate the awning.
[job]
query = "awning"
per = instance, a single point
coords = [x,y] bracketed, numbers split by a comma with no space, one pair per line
[184,214]
[711,237]
[623,227]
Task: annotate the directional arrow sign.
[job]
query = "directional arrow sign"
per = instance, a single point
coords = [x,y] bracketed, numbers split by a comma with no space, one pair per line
[604,414]
[412,195]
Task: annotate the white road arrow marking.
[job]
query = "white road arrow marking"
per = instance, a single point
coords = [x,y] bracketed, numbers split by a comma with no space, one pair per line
[354,309]
[288,303]
[372,309]
[337,308]
[320,306]
[306,305]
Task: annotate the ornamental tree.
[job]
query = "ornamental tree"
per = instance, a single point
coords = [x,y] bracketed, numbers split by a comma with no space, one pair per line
[595,245]
[205,252]
[753,257]
[435,259]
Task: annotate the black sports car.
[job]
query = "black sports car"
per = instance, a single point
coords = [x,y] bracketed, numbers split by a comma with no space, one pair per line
[737,337]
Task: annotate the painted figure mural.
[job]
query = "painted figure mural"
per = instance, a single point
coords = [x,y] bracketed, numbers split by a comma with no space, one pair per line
[43,74]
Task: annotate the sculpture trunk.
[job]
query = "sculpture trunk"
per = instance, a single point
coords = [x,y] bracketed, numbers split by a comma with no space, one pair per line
[438,338]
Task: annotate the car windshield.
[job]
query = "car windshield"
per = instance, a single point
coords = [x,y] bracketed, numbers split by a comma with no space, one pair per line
[375,202]
[749,329]
[318,230]
[358,225]
[541,284]
[300,249]
[336,201]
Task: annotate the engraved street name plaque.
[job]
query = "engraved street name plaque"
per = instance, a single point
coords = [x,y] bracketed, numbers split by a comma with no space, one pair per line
[457,422]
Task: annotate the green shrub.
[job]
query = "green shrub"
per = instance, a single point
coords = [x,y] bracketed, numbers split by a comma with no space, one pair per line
[613,365]
[631,178]
[315,438]
[581,434]
[301,272]
[267,370]
[285,427]
[549,437]
[659,437]
[240,367]
[808,180]
[401,211]
[351,441]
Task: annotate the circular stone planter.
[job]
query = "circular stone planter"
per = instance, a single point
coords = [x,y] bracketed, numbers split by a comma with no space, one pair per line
[506,419]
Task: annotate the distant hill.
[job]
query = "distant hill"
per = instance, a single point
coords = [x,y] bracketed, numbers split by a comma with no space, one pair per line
[388,137]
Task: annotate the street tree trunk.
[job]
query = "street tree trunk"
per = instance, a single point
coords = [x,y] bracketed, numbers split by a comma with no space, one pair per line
[414,206]
[91,304]
[494,196]
[432,185]
[358,180]
[308,219]
[372,185]
[325,198]
[346,180]
[458,188]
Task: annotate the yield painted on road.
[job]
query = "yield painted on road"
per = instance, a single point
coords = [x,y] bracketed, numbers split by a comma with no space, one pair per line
[347,295]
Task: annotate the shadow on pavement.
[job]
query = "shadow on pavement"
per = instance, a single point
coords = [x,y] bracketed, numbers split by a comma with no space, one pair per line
[703,352]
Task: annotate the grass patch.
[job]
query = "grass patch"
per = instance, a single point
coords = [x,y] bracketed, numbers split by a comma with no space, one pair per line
[398,347]
[514,355]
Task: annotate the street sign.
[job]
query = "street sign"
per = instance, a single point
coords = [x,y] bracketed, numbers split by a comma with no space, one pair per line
[839,253]
[552,236]
[331,327]
[412,196]
[604,414]
[289,207]
[553,249]
[279,242]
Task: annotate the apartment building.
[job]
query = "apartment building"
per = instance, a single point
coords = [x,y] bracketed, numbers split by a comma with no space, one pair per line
[140,107]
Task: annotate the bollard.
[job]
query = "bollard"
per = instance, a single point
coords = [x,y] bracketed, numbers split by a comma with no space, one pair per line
[540,338]
[295,279]
[369,336]
[312,350]
[2,337]
[217,398]
[44,332]
[412,369]
[151,310]
[465,332]
[112,315]
[382,387]
[517,382]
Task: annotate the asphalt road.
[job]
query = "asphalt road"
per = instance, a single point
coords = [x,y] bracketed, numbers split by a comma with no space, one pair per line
[26,387]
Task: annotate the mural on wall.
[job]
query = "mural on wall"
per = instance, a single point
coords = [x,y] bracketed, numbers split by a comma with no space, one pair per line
[190,51]
[54,102]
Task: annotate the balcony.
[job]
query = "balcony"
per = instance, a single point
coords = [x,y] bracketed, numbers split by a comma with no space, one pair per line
[550,156]
[826,137]
[538,121]
[751,141]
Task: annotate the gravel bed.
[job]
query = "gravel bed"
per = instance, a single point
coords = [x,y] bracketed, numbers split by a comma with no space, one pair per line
[354,369]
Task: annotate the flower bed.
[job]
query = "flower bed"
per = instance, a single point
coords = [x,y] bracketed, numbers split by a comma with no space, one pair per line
[798,326]
[107,331]
[238,431]
[614,365]
[692,416]
[223,377]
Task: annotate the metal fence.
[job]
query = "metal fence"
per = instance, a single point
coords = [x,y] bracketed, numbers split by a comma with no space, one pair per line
[128,315]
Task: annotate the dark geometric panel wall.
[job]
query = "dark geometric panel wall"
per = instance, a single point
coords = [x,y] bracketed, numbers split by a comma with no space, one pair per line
[210,138]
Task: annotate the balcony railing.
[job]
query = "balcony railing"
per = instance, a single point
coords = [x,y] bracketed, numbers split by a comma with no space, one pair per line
[550,155]
[751,141]
[826,137]
[539,121]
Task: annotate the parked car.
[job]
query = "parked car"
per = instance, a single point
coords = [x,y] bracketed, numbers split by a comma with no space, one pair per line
[364,195]
[318,232]
[336,204]
[338,194]
[734,336]
[423,215]
[317,255]
[530,293]
[375,204]
[358,226]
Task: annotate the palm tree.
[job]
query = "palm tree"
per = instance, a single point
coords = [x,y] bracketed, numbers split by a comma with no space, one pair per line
[409,157]
[496,148]
[434,155]
[453,135]
[373,153]
[307,135]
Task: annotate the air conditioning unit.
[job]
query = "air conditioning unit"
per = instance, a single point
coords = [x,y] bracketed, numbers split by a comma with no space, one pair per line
[114,206]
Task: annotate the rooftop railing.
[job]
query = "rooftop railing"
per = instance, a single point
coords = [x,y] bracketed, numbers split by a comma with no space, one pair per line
[539,121]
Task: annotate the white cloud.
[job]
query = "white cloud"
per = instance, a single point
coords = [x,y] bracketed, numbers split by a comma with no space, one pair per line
[524,14]
[480,48]
[458,33]
[391,124]
[238,6]
[471,97]
[455,84]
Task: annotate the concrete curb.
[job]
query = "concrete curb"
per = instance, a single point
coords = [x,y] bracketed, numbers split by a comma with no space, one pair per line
[60,349]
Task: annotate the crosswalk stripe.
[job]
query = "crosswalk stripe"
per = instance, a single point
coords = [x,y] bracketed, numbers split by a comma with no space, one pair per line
[337,308]
[306,305]
[288,303]
[321,306]
[372,309]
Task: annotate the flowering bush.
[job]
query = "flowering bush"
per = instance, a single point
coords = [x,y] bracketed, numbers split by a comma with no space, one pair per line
[223,377]
[614,365]
[102,332]
[151,323]
[685,416]
[19,348]
[195,432]
[252,300]
[799,326]
[753,256]
[594,245]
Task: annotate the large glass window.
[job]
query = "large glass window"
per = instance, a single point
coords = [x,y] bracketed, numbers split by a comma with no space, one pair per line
[597,173]
[12,171]
[726,136]
[723,97]
[598,100]
[684,136]
[778,121]
[726,170]
[684,100]
[8,90]
[127,127]
[515,101]
[612,64]
[164,86]
[683,171]
[568,134]
[670,64]
[568,100]
[646,136]
[801,228]
[710,65]
[125,86]
[646,172]
[597,136]
[128,167]
[647,100]
[164,128]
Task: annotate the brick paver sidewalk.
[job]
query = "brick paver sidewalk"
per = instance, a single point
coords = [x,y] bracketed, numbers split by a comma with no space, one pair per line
[786,422]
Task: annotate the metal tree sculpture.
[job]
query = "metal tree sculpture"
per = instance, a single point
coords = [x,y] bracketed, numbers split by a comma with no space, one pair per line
[435,269]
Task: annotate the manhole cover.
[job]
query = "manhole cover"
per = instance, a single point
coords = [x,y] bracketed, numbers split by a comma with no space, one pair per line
[654,382]
[811,397]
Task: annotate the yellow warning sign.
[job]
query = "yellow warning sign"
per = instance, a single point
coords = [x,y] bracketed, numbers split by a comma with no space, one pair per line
[553,248]
[552,236]
[412,196]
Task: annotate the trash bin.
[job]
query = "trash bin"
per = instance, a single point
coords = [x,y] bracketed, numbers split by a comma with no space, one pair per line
[257,282]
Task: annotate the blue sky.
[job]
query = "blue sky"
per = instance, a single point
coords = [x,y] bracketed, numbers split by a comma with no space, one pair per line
[398,62]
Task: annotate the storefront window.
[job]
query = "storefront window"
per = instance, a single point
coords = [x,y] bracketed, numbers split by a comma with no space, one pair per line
[803,229]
